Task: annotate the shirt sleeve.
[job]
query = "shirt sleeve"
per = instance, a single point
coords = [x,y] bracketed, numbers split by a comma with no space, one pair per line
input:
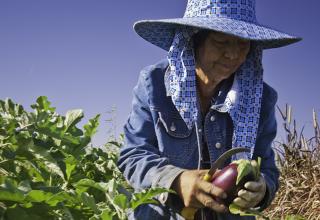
[140,160]
[264,149]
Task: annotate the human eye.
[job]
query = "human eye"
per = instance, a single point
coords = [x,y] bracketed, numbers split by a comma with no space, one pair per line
[218,41]
[243,43]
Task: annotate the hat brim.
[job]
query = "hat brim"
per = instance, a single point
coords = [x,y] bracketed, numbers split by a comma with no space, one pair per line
[161,32]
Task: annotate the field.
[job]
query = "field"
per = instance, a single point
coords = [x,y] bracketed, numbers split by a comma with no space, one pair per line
[299,162]
[50,170]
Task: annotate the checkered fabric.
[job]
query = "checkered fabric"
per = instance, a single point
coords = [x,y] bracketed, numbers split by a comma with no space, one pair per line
[243,101]
[240,10]
[234,17]
[182,77]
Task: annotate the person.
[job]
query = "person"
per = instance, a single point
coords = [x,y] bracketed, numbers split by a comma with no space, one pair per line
[206,97]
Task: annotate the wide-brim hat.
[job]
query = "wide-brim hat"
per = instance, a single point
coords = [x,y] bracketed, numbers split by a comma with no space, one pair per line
[233,17]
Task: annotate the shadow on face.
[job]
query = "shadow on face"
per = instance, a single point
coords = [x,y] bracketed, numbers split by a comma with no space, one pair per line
[218,55]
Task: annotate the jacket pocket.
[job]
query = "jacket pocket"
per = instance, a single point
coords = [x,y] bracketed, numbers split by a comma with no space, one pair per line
[176,141]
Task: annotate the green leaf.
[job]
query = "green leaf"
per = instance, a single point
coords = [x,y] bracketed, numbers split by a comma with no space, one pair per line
[6,195]
[53,131]
[71,164]
[146,196]
[83,184]
[24,186]
[72,118]
[236,210]
[16,213]
[243,169]
[11,108]
[10,192]
[38,196]
[43,104]
[62,197]
[45,156]
[115,143]
[92,126]
[121,200]
[89,201]
[37,212]
[107,214]
[111,186]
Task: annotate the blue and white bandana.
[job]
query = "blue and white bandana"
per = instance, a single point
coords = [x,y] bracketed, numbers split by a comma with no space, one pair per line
[243,101]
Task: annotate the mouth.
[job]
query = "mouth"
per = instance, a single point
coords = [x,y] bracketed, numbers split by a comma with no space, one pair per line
[227,66]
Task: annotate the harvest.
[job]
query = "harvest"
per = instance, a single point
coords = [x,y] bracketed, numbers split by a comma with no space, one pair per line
[50,170]
[233,177]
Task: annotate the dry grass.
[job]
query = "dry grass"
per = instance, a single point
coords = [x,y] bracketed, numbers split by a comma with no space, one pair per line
[298,159]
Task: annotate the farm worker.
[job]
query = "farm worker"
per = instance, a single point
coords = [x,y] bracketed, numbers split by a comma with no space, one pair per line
[206,97]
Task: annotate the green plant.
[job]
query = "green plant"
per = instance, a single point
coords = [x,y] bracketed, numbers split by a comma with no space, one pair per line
[49,170]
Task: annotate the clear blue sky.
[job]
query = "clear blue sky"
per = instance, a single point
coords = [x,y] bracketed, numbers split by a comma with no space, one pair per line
[85,54]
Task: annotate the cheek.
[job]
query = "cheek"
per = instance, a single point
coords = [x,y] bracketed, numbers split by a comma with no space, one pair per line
[207,58]
[243,57]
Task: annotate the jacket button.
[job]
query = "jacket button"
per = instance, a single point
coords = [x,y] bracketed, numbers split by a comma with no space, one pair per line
[212,118]
[218,145]
[173,127]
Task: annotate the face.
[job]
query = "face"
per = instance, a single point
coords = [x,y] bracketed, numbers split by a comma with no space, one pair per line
[220,55]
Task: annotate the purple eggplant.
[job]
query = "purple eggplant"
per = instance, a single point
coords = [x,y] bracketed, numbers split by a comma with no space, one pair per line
[226,180]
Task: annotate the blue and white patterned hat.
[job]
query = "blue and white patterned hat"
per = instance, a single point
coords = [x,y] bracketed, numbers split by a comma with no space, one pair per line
[234,17]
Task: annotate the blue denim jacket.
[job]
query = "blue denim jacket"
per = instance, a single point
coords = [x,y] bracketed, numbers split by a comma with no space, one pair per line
[158,145]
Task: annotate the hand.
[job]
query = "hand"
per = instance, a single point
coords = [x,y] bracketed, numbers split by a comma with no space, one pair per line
[198,193]
[252,195]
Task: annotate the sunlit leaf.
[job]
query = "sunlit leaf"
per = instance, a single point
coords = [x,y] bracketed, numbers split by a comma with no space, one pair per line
[236,210]
[243,169]
[83,184]
[43,104]
[121,200]
[107,215]
[92,126]
[48,160]
[71,164]
[38,196]
[72,118]
[146,196]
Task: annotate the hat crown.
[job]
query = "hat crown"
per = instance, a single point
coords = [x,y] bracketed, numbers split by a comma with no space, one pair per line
[243,10]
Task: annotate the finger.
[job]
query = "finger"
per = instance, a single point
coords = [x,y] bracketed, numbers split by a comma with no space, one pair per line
[209,202]
[254,186]
[209,178]
[196,204]
[254,163]
[241,203]
[204,175]
[247,195]
[215,174]
[203,172]
[211,189]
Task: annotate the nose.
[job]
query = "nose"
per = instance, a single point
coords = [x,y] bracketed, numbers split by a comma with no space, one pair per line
[232,51]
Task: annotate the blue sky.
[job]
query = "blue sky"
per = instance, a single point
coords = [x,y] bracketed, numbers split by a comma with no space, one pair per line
[85,54]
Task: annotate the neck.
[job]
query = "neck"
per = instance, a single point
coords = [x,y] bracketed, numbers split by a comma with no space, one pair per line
[207,87]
